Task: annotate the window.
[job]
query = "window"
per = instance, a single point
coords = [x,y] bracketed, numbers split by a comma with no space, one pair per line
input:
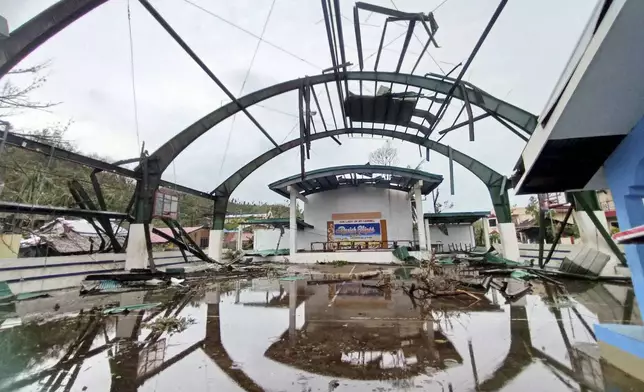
[203,242]
[492,222]
[166,204]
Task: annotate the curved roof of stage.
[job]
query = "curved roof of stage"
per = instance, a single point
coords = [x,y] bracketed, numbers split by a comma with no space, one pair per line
[390,177]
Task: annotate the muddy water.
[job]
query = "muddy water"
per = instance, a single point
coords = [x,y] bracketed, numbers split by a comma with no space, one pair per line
[289,336]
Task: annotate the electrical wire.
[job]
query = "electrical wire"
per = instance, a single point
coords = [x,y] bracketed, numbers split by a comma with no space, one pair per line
[284,113]
[440,5]
[259,42]
[136,109]
[241,90]
[291,131]
[253,34]
[383,47]
[277,110]
[421,42]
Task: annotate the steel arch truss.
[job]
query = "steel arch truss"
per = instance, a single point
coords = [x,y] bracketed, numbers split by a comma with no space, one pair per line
[40,28]
[495,182]
[501,109]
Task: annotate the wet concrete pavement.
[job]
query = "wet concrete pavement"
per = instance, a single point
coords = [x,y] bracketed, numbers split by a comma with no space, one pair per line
[257,335]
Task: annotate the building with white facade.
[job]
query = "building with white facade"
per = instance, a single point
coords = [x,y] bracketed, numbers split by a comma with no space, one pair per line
[589,137]
[351,212]
[454,230]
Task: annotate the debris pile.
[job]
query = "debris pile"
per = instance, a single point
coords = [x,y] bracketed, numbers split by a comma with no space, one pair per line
[170,325]
[138,279]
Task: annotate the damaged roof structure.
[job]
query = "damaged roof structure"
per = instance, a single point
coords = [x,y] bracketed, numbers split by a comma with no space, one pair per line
[62,237]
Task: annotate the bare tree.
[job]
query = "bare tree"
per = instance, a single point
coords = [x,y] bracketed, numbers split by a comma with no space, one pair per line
[15,97]
[438,206]
[387,155]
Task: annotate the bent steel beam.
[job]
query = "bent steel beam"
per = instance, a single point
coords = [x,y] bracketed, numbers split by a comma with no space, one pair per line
[519,117]
[492,179]
[18,141]
[40,28]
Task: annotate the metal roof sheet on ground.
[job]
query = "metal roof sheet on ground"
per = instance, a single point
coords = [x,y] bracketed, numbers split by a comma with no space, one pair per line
[390,177]
[455,217]
[278,222]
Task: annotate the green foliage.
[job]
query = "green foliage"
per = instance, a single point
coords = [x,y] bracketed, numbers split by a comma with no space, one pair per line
[479,234]
[533,208]
[571,229]
[34,178]
[495,237]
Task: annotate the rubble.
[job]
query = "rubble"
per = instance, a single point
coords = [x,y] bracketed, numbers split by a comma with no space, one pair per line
[170,325]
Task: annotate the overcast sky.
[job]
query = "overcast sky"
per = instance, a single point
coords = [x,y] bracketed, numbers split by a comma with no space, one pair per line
[520,62]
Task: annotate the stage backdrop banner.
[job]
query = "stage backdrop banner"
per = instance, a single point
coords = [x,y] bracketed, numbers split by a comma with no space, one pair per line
[357,230]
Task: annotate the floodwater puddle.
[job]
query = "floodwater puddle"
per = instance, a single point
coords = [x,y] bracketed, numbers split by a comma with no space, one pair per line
[287,335]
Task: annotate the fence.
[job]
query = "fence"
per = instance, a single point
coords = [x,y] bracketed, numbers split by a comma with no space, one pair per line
[332,246]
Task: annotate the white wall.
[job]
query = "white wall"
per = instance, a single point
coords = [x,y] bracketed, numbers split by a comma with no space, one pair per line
[51,273]
[265,239]
[457,234]
[393,205]
[306,236]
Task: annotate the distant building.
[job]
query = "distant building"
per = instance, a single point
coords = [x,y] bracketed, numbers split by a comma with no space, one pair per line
[199,235]
[62,237]
[527,226]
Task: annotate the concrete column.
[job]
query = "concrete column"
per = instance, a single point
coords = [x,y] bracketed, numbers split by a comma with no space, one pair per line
[136,254]
[214,244]
[213,324]
[428,234]
[592,238]
[472,237]
[127,325]
[420,216]
[486,232]
[214,297]
[292,306]
[239,237]
[515,286]
[293,222]
[509,241]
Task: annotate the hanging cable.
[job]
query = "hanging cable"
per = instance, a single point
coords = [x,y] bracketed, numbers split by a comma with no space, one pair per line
[253,34]
[421,42]
[241,90]
[277,110]
[136,109]
[374,53]
[291,131]
[259,42]
[440,5]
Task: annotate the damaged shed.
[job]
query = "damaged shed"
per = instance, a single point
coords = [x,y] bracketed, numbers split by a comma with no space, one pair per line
[62,237]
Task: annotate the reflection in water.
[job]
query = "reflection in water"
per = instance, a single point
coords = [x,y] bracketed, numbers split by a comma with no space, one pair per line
[272,335]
